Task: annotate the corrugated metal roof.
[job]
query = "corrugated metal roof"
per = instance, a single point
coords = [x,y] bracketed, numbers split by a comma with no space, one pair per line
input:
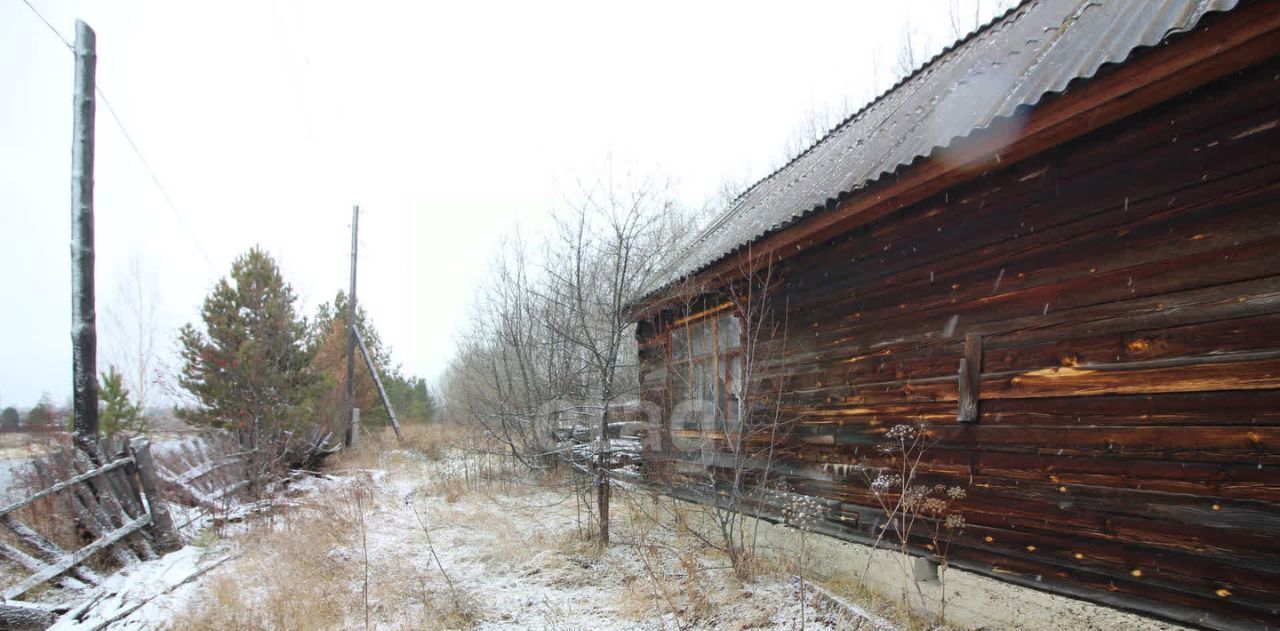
[1033,50]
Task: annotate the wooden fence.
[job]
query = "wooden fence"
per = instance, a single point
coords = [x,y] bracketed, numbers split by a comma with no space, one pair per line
[212,473]
[112,496]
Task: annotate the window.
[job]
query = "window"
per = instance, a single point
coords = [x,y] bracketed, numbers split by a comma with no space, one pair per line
[706,365]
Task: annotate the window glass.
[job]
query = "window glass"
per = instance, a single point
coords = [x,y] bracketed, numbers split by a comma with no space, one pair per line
[680,377]
[680,343]
[706,359]
[729,333]
[699,381]
[734,389]
[708,384]
[700,339]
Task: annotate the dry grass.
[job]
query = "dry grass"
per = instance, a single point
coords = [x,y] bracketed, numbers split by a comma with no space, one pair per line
[680,572]
[497,527]
[316,566]
[302,576]
[431,441]
[310,573]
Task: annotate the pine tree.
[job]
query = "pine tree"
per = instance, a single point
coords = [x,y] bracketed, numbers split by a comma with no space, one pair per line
[40,417]
[118,412]
[9,420]
[250,368]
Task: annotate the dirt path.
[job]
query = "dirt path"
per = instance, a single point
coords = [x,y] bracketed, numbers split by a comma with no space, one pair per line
[511,558]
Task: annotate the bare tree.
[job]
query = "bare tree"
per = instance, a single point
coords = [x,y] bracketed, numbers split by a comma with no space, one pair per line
[551,352]
[737,408]
[508,368]
[134,323]
[818,121]
[909,55]
[606,251]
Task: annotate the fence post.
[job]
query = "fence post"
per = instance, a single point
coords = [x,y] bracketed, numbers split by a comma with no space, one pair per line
[166,535]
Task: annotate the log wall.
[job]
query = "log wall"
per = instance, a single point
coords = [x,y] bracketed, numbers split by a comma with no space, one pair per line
[1124,290]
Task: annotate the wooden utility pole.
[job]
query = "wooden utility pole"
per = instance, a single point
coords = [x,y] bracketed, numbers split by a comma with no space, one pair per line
[354,339]
[377,381]
[351,332]
[84,335]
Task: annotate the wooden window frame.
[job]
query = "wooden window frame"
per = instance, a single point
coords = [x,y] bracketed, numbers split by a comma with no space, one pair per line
[720,362]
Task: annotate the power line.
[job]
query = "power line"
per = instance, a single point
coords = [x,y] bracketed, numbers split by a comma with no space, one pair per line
[164,192]
[57,34]
[146,165]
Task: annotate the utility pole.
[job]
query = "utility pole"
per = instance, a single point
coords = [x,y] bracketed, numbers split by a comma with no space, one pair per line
[382,391]
[351,332]
[84,335]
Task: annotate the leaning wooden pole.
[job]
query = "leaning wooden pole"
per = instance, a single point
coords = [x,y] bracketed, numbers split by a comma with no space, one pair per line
[84,336]
[351,332]
[377,381]
[167,538]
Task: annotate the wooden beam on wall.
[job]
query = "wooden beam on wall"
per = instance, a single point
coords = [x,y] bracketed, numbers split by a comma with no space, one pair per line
[970,377]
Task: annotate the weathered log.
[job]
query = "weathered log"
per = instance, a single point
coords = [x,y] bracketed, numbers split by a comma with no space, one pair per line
[34,565]
[1125,288]
[108,540]
[46,550]
[21,616]
[167,538]
[91,517]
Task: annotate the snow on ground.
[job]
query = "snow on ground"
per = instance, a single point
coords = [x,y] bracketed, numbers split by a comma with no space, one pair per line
[144,595]
[520,558]
[512,555]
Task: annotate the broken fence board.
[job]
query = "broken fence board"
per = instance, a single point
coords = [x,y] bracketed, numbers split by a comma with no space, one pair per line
[211,466]
[35,565]
[65,484]
[75,559]
[25,616]
[47,550]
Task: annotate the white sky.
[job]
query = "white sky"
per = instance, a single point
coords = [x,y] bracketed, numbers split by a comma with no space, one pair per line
[449,123]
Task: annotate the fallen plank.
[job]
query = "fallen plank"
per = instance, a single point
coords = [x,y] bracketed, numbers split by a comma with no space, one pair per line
[45,549]
[125,613]
[211,466]
[35,565]
[24,616]
[75,559]
[65,484]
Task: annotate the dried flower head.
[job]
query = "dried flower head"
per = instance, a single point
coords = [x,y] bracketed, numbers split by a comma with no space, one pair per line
[934,505]
[902,432]
[802,512]
[886,482]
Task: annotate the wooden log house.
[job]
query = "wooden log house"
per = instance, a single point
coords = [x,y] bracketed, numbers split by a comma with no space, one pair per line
[1058,244]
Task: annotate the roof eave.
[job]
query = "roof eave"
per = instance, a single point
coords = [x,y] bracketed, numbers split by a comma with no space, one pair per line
[1216,48]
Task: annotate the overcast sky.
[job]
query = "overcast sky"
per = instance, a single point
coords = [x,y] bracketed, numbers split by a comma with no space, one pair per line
[448,123]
